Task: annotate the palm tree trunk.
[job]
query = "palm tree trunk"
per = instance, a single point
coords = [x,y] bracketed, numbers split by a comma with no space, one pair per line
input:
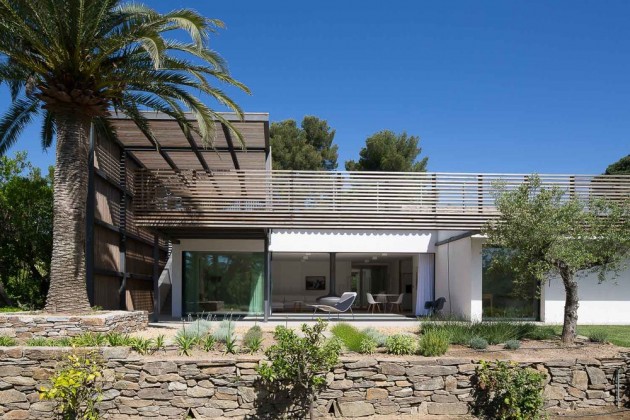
[571,304]
[67,291]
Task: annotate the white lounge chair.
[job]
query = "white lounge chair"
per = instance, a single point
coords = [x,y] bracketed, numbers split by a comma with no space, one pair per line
[344,305]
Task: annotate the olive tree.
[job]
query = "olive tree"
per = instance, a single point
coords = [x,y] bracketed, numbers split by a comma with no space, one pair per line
[551,232]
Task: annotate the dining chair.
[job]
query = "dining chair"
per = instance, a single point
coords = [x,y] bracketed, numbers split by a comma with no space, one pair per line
[372,303]
[397,303]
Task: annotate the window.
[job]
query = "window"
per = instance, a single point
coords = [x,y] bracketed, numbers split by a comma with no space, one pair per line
[500,297]
[223,282]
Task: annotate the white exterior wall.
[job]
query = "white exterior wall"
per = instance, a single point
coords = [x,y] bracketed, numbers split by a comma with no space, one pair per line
[605,303]
[213,245]
[394,241]
[458,277]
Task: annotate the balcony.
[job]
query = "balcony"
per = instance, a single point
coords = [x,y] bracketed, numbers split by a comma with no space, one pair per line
[327,200]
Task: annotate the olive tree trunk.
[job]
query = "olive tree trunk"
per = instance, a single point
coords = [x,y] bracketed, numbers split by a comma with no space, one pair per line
[571,304]
[67,291]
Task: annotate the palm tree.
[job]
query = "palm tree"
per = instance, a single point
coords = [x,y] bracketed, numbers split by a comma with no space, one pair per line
[77,61]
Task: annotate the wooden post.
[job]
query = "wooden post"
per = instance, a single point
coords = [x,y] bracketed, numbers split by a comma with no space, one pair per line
[89,221]
[156,278]
[267,279]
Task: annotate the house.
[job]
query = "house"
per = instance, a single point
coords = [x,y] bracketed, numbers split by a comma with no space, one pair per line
[189,230]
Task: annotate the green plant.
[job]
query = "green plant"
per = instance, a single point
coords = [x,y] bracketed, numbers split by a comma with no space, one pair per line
[541,333]
[142,345]
[349,335]
[598,336]
[116,339]
[196,330]
[89,339]
[75,388]
[97,308]
[254,333]
[208,343]
[230,344]
[225,331]
[7,309]
[495,332]
[378,337]
[433,343]
[7,341]
[506,391]
[300,364]
[478,343]
[42,342]
[185,343]
[367,346]
[400,344]
[160,343]
[512,344]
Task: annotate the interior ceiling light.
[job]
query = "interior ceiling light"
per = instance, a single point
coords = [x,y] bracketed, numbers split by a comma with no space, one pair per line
[375,258]
[384,254]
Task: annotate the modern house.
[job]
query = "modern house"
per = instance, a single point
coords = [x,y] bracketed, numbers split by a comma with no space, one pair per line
[186,230]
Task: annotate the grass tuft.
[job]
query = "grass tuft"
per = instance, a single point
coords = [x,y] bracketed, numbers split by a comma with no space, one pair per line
[349,335]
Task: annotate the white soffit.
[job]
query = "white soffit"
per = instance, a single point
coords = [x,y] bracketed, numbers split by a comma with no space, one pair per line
[394,241]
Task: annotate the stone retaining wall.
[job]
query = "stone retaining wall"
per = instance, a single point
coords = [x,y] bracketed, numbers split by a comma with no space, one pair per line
[26,325]
[138,386]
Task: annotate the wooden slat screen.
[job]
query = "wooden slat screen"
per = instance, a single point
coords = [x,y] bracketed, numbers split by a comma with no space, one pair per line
[316,199]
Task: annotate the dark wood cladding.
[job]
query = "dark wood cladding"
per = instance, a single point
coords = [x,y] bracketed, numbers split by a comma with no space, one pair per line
[363,200]
[115,225]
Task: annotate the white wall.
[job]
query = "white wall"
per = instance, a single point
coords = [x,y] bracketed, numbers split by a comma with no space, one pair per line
[215,245]
[394,241]
[288,277]
[605,303]
[458,277]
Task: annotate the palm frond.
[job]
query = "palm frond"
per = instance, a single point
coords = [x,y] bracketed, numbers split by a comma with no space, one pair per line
[18,116]
[48,130]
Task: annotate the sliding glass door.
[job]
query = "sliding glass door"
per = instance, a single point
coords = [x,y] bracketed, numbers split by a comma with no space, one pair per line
[223,282]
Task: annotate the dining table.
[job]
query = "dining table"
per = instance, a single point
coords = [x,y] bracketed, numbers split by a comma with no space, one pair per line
[385,298]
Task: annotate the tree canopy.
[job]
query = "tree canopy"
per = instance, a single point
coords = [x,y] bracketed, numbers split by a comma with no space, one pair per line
[26,213]
[308,147]
[388,151]
[546,232]
[621,167]
[74,62]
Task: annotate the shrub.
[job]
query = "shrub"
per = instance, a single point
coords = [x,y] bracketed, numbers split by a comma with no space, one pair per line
[512,344]
[300,364]
[75,388]
[598,336]
[225,331]
[367,346]
[252,341]
[541,333]
[434,343]
[400,344]
[349,335]
[478,343]
[495,332]
[196,330]
[377,336]
[7,341]
[160,342]
[506,391]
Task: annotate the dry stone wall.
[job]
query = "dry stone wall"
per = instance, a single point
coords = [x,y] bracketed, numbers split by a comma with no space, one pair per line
[138,386]
[26,325]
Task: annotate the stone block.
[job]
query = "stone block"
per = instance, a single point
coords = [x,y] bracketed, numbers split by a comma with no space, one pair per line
[362,364]
[160,368]
[343,384]
[439,398]
[356,409]
[446,409]
[429,384]
[392,369]
[553,392]
[580,380]
[12,396]
[199,392]
[431,370]
[376,394]
[596,376]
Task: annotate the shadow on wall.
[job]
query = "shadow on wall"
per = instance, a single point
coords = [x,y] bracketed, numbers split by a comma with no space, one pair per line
[274,400]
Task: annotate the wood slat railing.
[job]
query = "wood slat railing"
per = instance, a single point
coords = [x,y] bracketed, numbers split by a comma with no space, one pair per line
[362,200]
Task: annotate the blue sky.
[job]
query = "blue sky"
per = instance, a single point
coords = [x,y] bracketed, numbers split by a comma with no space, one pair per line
[489,86]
